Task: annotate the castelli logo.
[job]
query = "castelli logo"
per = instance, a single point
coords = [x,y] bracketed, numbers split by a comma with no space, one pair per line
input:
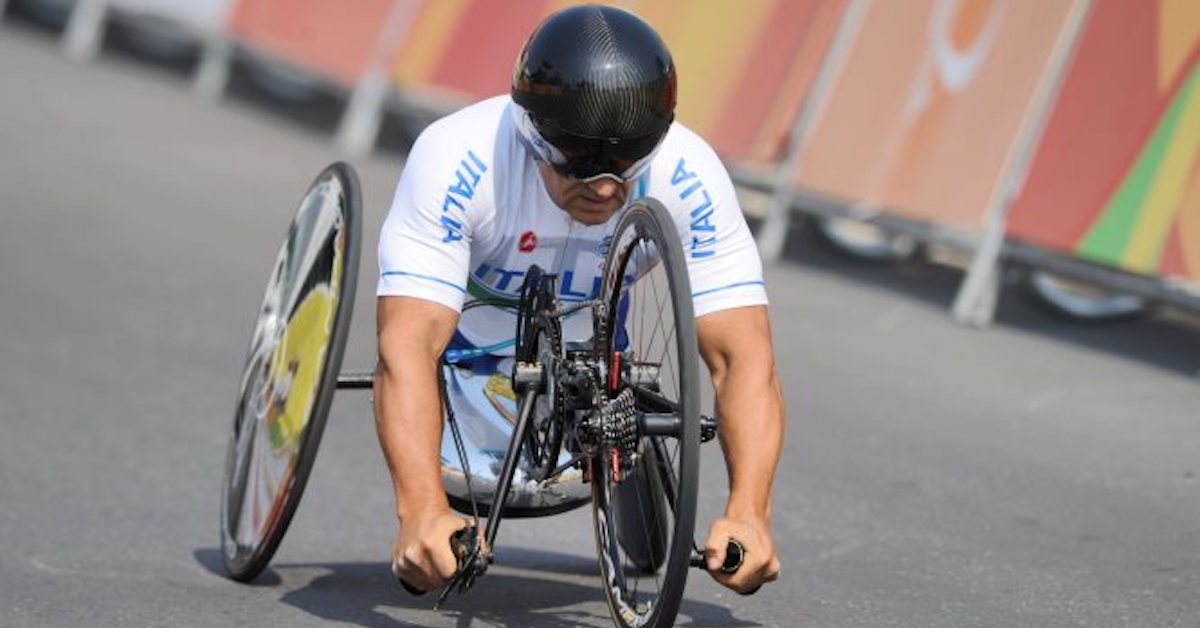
[602,248]
[528,242]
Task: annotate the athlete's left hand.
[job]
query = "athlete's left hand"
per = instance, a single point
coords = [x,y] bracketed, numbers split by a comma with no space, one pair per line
[759,562]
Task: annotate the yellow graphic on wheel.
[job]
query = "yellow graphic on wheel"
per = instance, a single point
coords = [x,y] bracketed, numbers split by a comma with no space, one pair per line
[296,369]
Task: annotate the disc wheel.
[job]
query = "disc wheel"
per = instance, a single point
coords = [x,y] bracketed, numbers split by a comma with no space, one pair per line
[291,372]
[645,514]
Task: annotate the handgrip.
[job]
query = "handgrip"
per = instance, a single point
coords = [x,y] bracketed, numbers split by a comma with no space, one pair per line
[462,542]
[410,588]
[734,555]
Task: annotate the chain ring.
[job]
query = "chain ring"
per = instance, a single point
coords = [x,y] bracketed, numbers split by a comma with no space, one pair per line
[545,435]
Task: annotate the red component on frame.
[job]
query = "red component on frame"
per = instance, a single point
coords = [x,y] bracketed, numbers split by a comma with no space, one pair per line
[614,371]
[616,465]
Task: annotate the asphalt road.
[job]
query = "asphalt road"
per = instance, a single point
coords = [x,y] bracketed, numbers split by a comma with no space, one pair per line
[1038,473]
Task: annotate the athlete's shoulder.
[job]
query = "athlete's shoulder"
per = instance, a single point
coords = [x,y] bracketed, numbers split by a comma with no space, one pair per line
[457,149]
[682,142]
[690,180]
[471,120]
[448,180]
[683,161]
[683,156]
[472,128]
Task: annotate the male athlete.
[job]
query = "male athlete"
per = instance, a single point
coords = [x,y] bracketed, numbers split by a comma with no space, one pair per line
[540,176]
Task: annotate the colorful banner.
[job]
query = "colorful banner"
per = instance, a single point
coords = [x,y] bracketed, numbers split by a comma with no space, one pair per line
[335,39]
[744,67]
[1116,178]
[924,116]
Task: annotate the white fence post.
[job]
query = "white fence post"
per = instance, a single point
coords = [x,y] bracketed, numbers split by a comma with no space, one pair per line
[360,123]
[85,30]
[975,303]
[212,74]
[364,114]
[774,231]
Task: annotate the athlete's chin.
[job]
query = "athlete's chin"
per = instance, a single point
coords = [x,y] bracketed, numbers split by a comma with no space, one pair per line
[592,220]
[592,213]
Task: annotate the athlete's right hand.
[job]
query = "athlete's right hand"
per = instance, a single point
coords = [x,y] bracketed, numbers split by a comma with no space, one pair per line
[421,556]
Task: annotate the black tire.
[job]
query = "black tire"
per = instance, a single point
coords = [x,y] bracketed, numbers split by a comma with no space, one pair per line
[297,347]
[644,575]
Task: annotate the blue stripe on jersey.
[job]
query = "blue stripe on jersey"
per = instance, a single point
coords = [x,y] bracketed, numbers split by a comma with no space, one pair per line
[732,285]
[425,277]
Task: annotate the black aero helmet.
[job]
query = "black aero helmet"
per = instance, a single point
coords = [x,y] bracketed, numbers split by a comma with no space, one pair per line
[595,89]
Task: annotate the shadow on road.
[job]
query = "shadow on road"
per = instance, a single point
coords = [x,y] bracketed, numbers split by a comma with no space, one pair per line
[210,559]
[1166,339]
[513,594]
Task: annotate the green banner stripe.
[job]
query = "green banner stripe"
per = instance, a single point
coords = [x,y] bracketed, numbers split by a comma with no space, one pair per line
[1109,237]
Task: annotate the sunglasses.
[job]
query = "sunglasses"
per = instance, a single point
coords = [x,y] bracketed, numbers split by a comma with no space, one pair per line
[588,159]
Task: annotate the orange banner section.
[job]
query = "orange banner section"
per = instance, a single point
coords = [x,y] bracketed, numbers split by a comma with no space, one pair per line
[336,39]
[926,111]
[467,47]
[1116,178]
[743,67]
[758,108]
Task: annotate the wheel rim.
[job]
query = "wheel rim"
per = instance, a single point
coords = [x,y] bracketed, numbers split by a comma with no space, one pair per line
[647,519]
[866,241]
[1082,300]
[285,391]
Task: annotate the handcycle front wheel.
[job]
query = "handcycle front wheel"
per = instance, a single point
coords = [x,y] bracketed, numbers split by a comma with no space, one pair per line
[644,510]
[291,371]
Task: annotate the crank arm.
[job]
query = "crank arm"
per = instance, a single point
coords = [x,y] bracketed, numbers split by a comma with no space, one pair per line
[471,564]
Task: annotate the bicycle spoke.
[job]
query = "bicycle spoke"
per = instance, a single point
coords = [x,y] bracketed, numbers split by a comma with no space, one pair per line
[665,471]
[670,340]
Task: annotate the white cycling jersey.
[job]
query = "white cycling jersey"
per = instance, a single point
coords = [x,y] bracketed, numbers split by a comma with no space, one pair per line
[471,214]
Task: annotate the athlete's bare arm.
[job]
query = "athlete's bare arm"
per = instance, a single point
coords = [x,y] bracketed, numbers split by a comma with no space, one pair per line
[412,334]
[736,345]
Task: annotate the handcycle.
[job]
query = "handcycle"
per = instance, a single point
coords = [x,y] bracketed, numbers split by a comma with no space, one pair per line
[612,419]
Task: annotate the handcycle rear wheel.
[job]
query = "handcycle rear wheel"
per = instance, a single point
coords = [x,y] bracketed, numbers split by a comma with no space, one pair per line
[291,372]
[645,520]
